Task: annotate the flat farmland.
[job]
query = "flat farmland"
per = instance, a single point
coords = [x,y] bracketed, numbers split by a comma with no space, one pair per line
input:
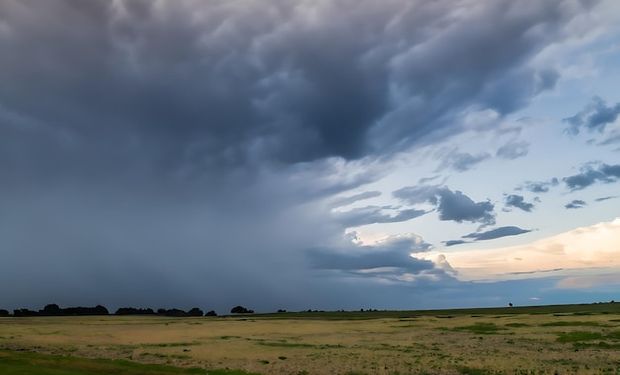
[576,339]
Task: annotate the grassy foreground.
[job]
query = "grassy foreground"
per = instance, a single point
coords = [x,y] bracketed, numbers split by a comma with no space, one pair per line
[575,339]
[27,363]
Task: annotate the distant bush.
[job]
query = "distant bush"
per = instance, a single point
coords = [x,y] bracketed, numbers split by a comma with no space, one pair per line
[241,310]
[134,311]
[281,311]
[211,313]
[4,313]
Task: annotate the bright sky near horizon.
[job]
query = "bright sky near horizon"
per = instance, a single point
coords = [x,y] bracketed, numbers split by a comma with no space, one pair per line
[309,154]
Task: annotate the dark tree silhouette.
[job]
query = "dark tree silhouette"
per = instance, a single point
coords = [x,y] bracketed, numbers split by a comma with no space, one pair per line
[211,313]
[4,313]
[172,312]
[509,304]
[195,312]
[241,310]
[78,311]
[281,311]
[51,310]
[134,311]
[54,310]
[24,313]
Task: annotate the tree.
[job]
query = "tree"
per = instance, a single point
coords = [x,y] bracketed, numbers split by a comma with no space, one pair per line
[241,310]
[175,313]
[509,304]
[4,313]
[195,312]
[211,313]
[51,310]
[24,312]
[134,311]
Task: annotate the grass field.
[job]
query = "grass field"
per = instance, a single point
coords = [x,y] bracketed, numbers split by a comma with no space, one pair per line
[574,339]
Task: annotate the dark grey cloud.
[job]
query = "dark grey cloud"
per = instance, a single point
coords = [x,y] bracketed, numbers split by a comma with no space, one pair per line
[518,201]
[458,207]
[497,233]
[462,161]
[595,116]
[602,199]
[575,204]
[454,242]
[393,254]
[513,150]
[179,151]
[539,186]
[375,214]
[591,174]
[167,78]
[451,205]
[345,201]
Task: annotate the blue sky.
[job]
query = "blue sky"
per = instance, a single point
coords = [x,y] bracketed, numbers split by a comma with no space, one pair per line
[309,154]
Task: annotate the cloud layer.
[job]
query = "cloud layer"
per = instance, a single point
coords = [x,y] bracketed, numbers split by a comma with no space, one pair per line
[164,152]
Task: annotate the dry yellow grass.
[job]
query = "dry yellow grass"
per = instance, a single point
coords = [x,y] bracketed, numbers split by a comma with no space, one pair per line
[427,344]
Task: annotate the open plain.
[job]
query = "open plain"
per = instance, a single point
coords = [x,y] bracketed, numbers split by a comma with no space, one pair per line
[572,339]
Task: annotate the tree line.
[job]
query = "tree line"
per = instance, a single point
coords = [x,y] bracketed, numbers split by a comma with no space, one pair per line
[55,310]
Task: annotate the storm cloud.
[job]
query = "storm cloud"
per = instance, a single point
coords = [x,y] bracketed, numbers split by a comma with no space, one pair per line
[168,152]
[394,252]
[207,83]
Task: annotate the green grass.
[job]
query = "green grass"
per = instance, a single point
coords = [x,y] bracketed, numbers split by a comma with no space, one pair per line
[26,363]
[573,324]
[578,336]
[298,345]
[480,328]
[473,371]
[517,325]
[597,345]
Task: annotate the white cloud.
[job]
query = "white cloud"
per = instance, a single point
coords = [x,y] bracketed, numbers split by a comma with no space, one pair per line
[595,247]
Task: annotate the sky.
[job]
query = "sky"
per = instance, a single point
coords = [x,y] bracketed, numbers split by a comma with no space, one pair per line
[309,154]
